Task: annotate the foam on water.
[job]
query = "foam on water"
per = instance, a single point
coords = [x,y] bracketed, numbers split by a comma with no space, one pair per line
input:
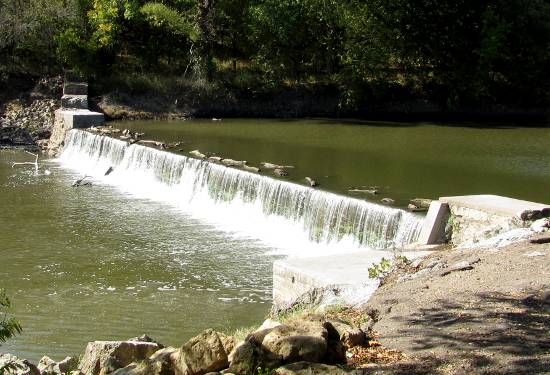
[294,219]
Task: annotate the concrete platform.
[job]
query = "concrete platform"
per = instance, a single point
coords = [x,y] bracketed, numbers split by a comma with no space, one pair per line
[496,205]
[294,277]
[82,118]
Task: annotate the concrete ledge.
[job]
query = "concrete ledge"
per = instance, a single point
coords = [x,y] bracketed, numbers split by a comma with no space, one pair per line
[497,205]
[294,277]
[82,118]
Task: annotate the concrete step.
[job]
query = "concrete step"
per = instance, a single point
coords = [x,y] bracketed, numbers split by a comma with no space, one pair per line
[82,118]
[71,76]
[74,101]
[75,88]
[294,277]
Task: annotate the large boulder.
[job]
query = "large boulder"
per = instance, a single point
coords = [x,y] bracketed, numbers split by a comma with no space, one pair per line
[202,354]
[298,340]
[14,366]
[251,355]
[104,357]
[308,368]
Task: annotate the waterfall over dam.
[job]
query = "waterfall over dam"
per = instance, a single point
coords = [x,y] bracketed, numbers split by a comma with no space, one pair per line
[280,213]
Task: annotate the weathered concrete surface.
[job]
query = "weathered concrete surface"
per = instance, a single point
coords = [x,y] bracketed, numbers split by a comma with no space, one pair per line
[476,218]
[69,119]
[496,205]
[433,231]
[347,273]
[73,88]
[74,101]
[83,118]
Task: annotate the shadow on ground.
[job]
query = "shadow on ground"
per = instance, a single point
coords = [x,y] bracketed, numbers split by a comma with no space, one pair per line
[494,333]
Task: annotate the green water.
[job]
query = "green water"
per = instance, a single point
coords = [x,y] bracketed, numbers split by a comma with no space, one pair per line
[404,160]
[92,263]
[89,263]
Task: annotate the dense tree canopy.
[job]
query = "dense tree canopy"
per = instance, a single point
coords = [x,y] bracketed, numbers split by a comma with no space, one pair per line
[453,52]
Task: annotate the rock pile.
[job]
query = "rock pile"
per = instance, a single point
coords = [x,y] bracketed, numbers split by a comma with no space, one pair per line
[310,344]
[27,124]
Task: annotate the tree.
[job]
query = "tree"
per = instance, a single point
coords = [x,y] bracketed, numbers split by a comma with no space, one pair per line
[9,326]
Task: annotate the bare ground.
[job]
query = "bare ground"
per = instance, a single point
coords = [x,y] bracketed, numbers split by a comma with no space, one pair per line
[491,319]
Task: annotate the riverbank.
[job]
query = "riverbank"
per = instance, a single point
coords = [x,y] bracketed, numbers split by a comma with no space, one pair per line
[172,97]
[489,318]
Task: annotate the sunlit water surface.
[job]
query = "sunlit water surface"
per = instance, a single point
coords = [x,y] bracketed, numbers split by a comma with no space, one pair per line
[95,262]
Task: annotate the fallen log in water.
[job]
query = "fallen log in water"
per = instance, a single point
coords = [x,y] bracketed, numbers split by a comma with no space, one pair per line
[267,165]
[81,181]
[35,163]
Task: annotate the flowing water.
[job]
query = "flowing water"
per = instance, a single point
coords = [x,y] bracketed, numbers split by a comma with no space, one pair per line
[168,245]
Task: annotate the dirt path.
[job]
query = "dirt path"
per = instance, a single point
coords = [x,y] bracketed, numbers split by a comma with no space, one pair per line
[491,319]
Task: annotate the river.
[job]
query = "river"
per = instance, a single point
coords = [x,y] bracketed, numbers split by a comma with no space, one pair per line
[167,245]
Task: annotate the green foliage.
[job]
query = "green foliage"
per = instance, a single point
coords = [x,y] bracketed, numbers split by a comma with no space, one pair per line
[9,326]
[454,53]
[380,270]
[163,17]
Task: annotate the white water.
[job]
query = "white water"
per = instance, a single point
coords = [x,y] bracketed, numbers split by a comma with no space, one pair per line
[294,219]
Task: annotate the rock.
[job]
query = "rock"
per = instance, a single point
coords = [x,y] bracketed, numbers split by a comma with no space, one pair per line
[421,202]
[215,159]
[228,342]
[146,367]
[197,154]
[46,365]
[144,337]
[203,353]
[17,366]
[163,354]
[531,215]
[66,365]
[233,163]
[251,169]
[541,225]
[460,266]
[280,172]
[414,208]
[311,181]
[540,240]
[101,356]
[387,200]
[249,355]
[308,368]
[336,350]
[298,340]
[349,335]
